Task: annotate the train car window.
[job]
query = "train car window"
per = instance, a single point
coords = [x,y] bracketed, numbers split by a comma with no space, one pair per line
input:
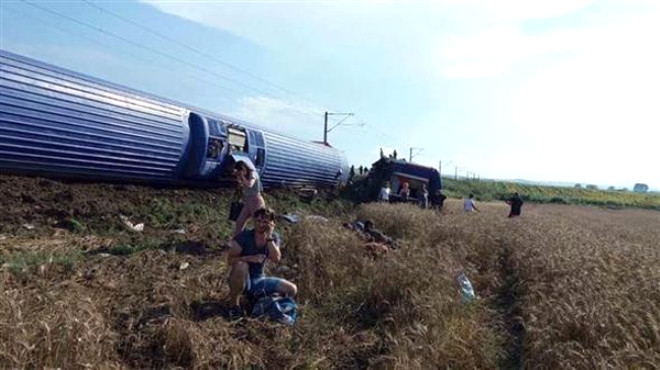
[214,148]
[261,153]
[236,139]
[213,127]
[258,138]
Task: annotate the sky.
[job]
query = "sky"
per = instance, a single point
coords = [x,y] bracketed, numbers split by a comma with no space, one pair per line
[510,89]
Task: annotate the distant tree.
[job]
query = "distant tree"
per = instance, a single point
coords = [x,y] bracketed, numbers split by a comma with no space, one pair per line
[640,188]
[360,170]
[394,154]
[578,186]
[611,188]
[624,189]
[351,172]
[592,187]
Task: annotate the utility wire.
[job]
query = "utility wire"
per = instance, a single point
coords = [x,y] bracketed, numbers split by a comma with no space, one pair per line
[98,42]
[198,52]
[310,112]
[155,51]
[182,61]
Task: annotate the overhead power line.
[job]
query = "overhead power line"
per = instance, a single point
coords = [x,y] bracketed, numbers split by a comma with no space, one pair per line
[98,42]
[198,52]
[311,112]
[314,113]
[124,39]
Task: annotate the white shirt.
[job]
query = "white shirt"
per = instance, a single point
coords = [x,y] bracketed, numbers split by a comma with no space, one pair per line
[384,194]
[469,205]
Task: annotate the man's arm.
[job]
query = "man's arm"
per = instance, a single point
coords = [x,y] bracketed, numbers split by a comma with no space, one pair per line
[235,255]
[274,253]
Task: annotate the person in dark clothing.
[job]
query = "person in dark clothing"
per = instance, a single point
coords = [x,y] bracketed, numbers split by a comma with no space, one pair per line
[516,203]
[440,199]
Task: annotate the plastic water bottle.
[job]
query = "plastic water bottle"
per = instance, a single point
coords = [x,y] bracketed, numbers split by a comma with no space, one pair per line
[465,287]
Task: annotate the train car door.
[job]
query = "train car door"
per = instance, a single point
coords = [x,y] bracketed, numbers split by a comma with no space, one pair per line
[258,150]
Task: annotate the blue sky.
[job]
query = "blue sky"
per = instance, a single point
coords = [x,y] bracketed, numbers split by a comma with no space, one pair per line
[538,90]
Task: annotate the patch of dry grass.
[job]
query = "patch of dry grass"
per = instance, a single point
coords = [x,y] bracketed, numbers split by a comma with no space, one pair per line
[560,287]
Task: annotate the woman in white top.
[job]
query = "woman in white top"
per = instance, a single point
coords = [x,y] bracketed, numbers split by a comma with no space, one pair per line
[248,180]
[385,193]
[469,204]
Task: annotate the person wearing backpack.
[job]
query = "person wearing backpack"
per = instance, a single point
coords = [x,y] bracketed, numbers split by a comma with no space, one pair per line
[248,254]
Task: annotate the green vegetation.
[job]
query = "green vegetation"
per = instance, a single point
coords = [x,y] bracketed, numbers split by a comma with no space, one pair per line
[25,261]
[493,190]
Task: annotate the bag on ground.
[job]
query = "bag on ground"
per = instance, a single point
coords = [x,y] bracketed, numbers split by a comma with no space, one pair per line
[281,309]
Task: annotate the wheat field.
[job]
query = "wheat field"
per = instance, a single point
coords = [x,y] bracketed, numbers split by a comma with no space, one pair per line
[560,287]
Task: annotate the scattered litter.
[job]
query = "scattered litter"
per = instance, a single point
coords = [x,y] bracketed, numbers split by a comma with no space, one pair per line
[465,288]
[318,218]
[3,237]
[129,224]
[28,226]
[184,266]
[180,230]
[292,218]
[104,255]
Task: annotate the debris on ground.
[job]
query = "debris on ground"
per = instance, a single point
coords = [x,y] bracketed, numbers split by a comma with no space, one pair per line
[316,218]
[137,228]
[291,218]
[465,288]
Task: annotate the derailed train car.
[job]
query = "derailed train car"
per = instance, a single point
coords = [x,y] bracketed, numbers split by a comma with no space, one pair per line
[58,123]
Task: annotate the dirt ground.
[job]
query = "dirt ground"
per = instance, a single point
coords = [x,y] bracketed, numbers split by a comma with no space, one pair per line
[68,256]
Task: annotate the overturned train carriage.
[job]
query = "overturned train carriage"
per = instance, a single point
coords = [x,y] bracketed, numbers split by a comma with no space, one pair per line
[58,123]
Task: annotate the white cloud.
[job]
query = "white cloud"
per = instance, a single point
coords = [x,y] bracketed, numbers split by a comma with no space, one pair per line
[590,87]
[522,9]
[464,39]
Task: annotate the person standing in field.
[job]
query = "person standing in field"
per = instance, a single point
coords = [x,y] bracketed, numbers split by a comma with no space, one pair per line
[469,204]
[441,199]
[404,192]
[516,203]
[423,197]
[385,191]
[249,182]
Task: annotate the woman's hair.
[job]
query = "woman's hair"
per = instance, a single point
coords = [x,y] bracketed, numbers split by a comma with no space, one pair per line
[268,212]
[240,166]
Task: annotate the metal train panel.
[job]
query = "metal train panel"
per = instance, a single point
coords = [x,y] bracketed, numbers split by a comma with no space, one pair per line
[58,123]
[295,163]
[54,122]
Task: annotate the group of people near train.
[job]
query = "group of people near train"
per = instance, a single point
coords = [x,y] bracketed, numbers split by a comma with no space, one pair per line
[250,249]
[422,198]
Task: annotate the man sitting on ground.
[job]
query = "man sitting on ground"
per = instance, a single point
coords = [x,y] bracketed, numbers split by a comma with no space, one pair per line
[247,257]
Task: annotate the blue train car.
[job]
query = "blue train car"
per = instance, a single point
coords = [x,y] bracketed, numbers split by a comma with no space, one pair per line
[58,123]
